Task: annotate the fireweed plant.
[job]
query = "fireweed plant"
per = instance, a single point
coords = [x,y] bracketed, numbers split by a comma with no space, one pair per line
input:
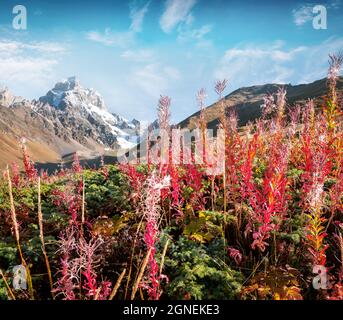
[165,228]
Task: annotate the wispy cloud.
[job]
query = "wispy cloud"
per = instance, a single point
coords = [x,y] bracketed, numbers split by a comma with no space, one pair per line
[26,70]
[137,16]
[7,46]
[110,38]
[122,39]
[303,14]
[197,34]
[139,55]
[176,11]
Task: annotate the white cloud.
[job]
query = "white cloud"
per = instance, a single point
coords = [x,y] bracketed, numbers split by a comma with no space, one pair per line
[26,70]
[186,34]
[137,17]
[274,63]
[121,39]
[302,14]
[178,14]
[176,11]
[110,38]
[29,64]
[16,46]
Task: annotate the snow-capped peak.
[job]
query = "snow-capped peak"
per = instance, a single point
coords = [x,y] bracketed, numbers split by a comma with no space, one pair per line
[70,92]
[69,98]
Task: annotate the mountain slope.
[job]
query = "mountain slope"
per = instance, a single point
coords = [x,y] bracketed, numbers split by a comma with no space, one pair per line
[247,101]
[68,118]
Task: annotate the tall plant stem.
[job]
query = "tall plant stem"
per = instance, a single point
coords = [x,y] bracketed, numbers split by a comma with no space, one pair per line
[140,275]
[41,235]
[7,286]
[131,260]
[83,202]
[212,193]
[117,285]
[17,236]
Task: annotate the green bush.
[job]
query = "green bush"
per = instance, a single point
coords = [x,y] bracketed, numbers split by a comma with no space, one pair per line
[195,272]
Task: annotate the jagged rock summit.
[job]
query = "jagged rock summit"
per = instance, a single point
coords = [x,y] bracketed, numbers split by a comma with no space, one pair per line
[70,93]
[84,112]
[7,99]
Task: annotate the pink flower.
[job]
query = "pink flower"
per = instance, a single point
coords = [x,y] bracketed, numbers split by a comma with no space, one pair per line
[30,170]
[235,255]
[220,86]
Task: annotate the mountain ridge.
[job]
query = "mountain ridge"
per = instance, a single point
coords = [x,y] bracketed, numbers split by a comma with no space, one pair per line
[247,101]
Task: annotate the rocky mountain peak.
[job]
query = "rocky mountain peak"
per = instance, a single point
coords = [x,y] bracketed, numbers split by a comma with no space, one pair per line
[84,112]
[70,93]
[7,99]
[70,84]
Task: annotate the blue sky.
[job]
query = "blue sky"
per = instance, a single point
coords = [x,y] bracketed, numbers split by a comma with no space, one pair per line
[133,51]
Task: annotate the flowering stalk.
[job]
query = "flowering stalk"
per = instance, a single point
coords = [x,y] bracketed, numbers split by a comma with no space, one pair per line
[219,88]
[136,180]
[15,174]
[67,201]
[163,112]
[78,261]
[233,154]
[331,109]
[268,106]
[280,104]
[317,167]
[76,166]
[155,185]
[270,203]
[246,169]
[86,252]
[202,121]
[30,170]
[69,274]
